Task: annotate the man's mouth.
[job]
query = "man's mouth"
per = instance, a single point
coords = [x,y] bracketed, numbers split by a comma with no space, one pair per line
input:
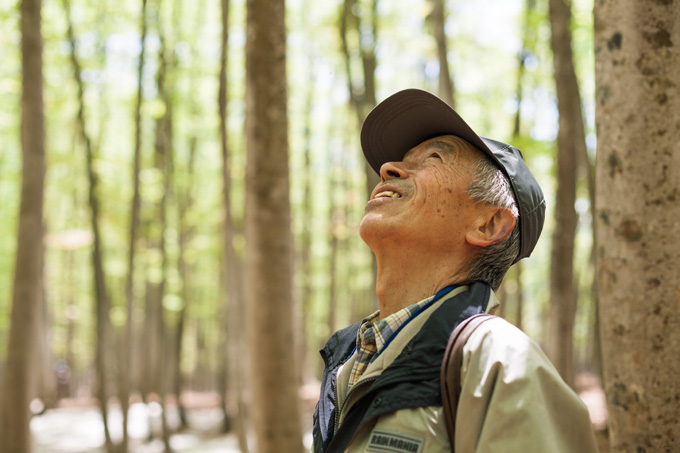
[387,194]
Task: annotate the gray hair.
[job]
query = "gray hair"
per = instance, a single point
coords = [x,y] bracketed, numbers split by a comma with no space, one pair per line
[490,185]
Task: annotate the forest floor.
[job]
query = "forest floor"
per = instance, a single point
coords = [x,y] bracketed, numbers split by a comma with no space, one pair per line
[76,425]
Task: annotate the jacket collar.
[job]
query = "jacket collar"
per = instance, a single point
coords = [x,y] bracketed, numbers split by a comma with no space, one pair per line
[340,346]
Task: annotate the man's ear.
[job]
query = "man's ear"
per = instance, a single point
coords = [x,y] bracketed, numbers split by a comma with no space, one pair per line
[496,224]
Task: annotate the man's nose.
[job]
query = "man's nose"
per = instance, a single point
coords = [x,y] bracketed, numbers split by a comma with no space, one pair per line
[392,170]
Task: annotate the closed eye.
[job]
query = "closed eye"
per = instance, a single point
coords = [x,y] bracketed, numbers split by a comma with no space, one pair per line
[435,155]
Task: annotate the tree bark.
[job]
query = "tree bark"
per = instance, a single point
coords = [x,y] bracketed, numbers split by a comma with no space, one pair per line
[437,18]
[185,198]
[305,255]
[637,66]
[269,259]
[570,144]
[335,213]
[15,434]
[362,97]
[528,40]
[44,356]
[125,378]
[163,163]
[232,266]
[102,305]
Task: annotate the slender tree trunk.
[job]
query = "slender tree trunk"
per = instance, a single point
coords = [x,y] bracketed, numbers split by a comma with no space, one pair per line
[185,200]
[150,353]
[528,43]
[307,219]
[125,378]
[15,434]
[519,309]
[232,270]
[71,315]
[102,305]
[269,260]
[438,24]
[163,162]
[363,97]
[333,211]
[637,68]
[46,382]
[528,38]
[570,144]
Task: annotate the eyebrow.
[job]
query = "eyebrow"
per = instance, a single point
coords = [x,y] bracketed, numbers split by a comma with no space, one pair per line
[443,145]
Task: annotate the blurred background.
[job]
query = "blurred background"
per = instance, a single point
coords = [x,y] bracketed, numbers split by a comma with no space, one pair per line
[141,314]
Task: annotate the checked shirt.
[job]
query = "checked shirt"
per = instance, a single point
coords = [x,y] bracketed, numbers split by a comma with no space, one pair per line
[374,333]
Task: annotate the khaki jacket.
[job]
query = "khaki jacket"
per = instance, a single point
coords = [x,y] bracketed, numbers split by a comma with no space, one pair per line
[512,399]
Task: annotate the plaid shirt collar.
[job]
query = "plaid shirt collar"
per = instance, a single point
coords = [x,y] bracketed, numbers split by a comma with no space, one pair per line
[374,333]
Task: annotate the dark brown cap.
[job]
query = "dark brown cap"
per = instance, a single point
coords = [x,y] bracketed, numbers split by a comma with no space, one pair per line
[410,117]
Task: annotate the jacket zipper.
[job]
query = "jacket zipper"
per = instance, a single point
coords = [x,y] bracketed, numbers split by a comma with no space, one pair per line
[357,385]
[334,386]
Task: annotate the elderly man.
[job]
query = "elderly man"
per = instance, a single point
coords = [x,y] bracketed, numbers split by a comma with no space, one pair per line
[452,212]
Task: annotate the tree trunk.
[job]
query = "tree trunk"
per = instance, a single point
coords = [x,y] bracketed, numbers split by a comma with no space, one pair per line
[363,97]
[269,257]
[232,266]
[163,163]
[519,308]
[15,434]
[637,50]
[103,325]
[438,24]
[125,378]
[528,43]
[334,211]
[305,256]
[570,144]
[185,200]
[44,356]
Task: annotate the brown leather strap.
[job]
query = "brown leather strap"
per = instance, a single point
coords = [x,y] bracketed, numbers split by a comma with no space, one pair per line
[450,371]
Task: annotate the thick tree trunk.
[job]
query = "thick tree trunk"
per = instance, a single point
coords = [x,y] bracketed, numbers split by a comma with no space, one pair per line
[570,144]
[438,24]
[15,434]
[637,51]
[269,242]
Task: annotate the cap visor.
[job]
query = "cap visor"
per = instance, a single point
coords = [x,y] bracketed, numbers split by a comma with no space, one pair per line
[406,119]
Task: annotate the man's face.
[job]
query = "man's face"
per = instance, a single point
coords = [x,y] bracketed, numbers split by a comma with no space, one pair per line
[422,202]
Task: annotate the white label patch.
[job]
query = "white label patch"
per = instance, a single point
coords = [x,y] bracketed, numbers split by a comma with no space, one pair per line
[394,442]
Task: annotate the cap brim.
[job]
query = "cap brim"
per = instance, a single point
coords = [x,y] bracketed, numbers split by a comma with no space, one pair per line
[408,118]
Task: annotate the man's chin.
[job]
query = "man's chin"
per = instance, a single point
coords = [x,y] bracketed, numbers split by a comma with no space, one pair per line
[375,228]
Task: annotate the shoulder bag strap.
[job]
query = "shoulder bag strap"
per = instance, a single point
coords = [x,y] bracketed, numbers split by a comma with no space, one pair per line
[450,371]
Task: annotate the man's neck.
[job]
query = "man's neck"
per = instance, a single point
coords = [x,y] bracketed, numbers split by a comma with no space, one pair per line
[406,278]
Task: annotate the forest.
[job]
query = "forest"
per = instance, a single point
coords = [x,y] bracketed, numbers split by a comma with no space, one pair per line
[182,183]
